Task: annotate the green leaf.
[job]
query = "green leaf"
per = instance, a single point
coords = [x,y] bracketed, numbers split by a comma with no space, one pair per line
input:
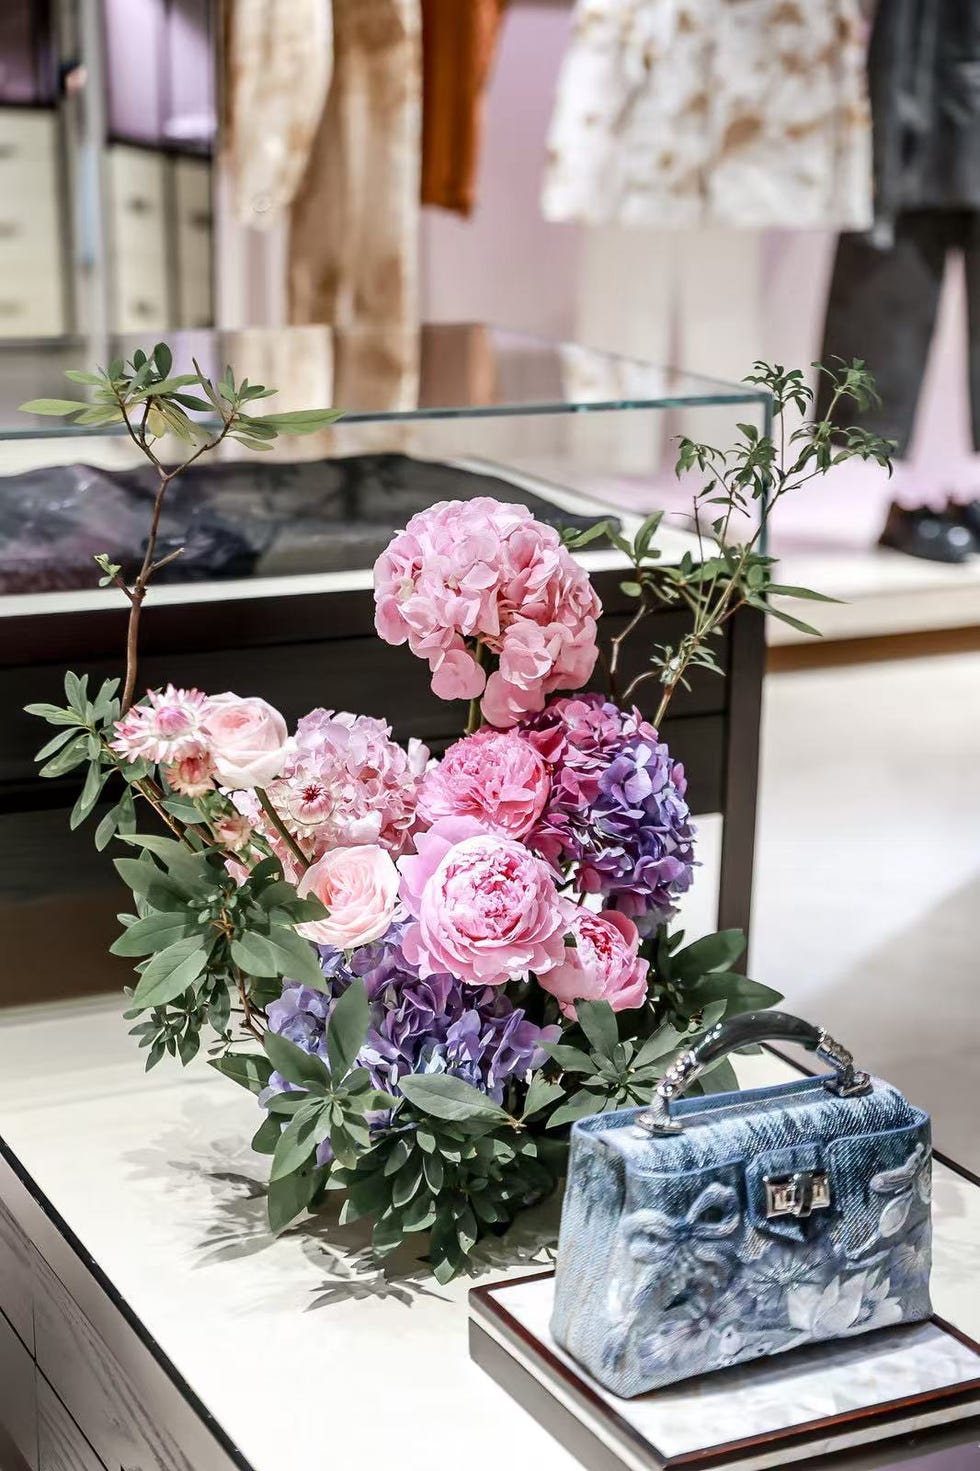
[301,421]
[148,881]
[57,407]
[249,1070]
[290,1196]
[56,742]
[347,1029]
[53,714]
[785,617]
[281,952]
[434,1170]
[598,1021]
[156,931]
[779,589]
[569,1059]
[540,1094]
[711,952]
[720,1077]
[578,1106]
[266,1136]
[297,1141]
[163,359]
[664,1042]
[95,780]
[78,376]
[72,754]
[296,1066]
[171,971]
[445,1097]
[740,993]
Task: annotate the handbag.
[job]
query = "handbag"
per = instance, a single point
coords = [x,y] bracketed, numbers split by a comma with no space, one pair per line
[703,1232]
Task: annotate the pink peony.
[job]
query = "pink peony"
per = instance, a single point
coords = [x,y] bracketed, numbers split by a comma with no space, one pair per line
[603,966]
[168,727]
[359,886]
[247,739]
[485,909]
[495,776]
[192,775]
[469,572]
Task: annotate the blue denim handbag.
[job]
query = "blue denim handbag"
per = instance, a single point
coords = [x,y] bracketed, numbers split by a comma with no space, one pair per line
[705,1232]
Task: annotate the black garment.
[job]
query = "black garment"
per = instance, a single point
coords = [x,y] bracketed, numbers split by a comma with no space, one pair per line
[256,517]
[924,81]
[882,308]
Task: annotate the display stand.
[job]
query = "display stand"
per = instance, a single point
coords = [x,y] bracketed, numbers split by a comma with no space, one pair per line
[812,1402]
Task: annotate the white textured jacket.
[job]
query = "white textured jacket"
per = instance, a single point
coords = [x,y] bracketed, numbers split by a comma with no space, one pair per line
[751,113]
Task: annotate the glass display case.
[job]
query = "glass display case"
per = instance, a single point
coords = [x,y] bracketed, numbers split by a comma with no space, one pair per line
[273,593]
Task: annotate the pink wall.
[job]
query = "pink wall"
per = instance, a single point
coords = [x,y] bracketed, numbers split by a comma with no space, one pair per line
[505,264]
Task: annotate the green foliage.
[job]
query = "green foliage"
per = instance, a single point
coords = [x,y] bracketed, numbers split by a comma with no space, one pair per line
[150,402]
[195,924]
[750,477]
[326,1102]
[458,1180]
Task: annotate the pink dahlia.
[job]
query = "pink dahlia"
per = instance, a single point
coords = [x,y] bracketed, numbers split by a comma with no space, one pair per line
[603,966]
[495,776]
[485,909]
[168,726]
[469,573]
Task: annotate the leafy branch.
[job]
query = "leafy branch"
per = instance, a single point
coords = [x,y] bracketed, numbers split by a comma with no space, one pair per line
[151,402]
[758,471]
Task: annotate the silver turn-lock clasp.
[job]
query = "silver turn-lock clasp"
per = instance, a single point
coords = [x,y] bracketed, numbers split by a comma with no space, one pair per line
[797,1195]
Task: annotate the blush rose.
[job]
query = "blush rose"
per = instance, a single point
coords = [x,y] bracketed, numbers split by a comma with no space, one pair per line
[603,966]
[247,739]
[485,909]
[359,886]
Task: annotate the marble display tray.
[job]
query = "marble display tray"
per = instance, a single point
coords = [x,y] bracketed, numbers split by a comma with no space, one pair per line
[813,1402]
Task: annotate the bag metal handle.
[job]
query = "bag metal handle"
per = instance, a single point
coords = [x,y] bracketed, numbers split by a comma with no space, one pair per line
[725,1037]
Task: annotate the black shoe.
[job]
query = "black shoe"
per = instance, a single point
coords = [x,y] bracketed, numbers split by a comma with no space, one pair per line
[923,532]
[966,514]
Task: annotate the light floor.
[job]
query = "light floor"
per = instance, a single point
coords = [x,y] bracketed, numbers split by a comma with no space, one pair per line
[867,904]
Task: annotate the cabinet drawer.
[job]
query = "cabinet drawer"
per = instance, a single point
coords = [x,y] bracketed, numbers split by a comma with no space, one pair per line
[61,1446]
[16,1266]
[96,1388]
[18,1405]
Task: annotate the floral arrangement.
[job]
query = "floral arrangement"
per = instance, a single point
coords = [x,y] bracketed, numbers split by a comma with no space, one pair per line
[425,968]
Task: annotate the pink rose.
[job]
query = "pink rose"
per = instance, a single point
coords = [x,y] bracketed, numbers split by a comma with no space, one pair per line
[192,775]
[247,739]
[486,910]
[495,776]
[360,888]
[603,966]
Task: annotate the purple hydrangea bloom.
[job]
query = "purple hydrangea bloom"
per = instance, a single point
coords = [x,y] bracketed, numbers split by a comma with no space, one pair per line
[617,808]
[436,1024]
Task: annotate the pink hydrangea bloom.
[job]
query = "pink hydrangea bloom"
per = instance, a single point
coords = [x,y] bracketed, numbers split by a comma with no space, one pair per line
[167,726]
[344,781]
[480,570]
[495,776]
[485,909]
[603,966]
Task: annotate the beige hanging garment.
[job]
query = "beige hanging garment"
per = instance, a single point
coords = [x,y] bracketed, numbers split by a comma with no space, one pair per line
[277,62]
[732,112]
[353,248]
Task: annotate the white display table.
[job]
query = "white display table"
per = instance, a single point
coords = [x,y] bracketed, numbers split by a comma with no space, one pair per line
[171,1331]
